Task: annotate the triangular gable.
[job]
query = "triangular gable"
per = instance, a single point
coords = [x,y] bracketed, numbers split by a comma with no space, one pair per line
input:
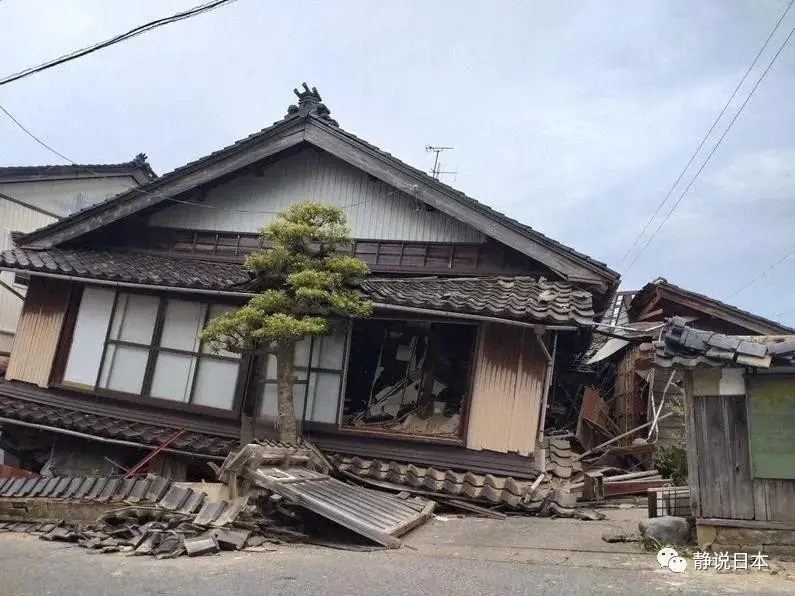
[310,124]
[650,304]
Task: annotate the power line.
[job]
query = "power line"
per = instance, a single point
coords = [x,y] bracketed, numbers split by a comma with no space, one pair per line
[714,149]
[786,312]
[759,276]
[141,29]
[706,136]
[31,135]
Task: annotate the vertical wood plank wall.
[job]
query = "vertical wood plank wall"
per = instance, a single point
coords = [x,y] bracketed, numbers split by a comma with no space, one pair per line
[719,460]
[507,390]
[38,331]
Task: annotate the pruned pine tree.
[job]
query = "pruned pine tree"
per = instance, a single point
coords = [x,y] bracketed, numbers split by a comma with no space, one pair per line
[306,287]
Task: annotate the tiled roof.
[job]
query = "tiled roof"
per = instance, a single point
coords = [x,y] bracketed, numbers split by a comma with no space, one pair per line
[690,348]
[139,163]
[518,298]
[331,126]
[664,284]
[128,267]
[111,427]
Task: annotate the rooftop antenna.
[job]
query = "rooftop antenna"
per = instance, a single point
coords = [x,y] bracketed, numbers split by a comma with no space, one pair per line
[438,168]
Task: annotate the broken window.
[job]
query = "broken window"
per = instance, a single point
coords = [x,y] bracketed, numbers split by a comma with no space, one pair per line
[147,345]
[408,377]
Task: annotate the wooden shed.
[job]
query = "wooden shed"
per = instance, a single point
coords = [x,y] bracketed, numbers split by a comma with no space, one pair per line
[740,419]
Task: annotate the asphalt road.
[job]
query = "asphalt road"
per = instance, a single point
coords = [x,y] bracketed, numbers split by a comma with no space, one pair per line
[36,568]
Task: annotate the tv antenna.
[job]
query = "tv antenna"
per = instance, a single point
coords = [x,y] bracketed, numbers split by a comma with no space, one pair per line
[438,168]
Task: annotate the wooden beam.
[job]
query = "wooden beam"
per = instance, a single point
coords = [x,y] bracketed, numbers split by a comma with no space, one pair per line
[752,524]
[651,305]
[650,315]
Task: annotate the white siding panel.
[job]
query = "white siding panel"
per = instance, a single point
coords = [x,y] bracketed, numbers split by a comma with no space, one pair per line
[62,197]
[13,217]
[374,210]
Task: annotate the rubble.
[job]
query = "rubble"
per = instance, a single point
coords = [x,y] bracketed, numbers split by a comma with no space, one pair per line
[281,493]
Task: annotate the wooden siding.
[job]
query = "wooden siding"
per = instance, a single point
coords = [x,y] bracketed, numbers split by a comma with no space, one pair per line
[507,390]
[721,483]
[38,332]
[373,209]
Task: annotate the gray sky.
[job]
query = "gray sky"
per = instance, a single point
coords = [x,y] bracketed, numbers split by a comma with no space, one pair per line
[574,117]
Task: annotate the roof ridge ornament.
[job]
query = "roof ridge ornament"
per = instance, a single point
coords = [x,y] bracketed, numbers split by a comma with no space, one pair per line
[310,104]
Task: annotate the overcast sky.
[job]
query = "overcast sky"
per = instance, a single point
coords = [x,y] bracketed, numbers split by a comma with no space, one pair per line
[574,117]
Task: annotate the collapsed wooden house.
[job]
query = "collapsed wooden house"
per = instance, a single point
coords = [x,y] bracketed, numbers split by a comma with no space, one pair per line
[485,307]
[621,362]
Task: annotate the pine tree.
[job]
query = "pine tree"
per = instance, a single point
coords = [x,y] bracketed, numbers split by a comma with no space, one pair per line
[306,288]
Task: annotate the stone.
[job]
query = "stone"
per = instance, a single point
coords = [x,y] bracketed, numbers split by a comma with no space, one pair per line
[666,530]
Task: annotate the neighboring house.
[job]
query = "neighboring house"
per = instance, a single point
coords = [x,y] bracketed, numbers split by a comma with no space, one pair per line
[471,310]
[34,196]
[626,375]
[740,410]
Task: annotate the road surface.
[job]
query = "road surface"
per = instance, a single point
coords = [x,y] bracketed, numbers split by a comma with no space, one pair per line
[32,567]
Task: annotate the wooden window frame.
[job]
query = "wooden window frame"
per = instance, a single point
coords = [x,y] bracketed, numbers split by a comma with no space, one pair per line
[301,420]
[466,399]
[144,398]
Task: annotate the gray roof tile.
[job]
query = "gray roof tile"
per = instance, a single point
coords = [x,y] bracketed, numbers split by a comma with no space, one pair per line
[18,408]
[691,348]
[517,298]
[129,267]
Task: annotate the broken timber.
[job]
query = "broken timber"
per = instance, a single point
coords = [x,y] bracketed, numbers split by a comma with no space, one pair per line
[297,474]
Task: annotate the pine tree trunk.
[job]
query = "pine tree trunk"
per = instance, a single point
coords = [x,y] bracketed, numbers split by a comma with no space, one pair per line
[285,381]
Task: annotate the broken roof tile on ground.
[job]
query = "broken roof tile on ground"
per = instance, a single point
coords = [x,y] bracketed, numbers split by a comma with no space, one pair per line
[518,298]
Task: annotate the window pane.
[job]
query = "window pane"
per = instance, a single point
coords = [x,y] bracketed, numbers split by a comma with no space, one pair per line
[134,320]
[270,369]
[124,368]
[302,352]
[85,353]
[324,394]
[215,310]
[215,383]
[173,376]
[270,400]
[329,351]
[182,324]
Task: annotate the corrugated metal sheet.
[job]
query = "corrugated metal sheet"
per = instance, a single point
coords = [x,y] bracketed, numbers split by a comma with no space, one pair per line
[374,210]
[16,218]
[507,391]
[38,332]
[373,514]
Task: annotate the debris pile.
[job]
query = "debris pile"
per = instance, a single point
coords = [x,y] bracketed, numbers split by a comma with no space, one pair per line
[297,478]
[163,534]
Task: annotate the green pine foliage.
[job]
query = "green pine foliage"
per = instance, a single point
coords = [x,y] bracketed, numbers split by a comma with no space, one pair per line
[307,287]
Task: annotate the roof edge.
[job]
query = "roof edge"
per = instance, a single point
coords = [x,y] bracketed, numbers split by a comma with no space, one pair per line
[769,326]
